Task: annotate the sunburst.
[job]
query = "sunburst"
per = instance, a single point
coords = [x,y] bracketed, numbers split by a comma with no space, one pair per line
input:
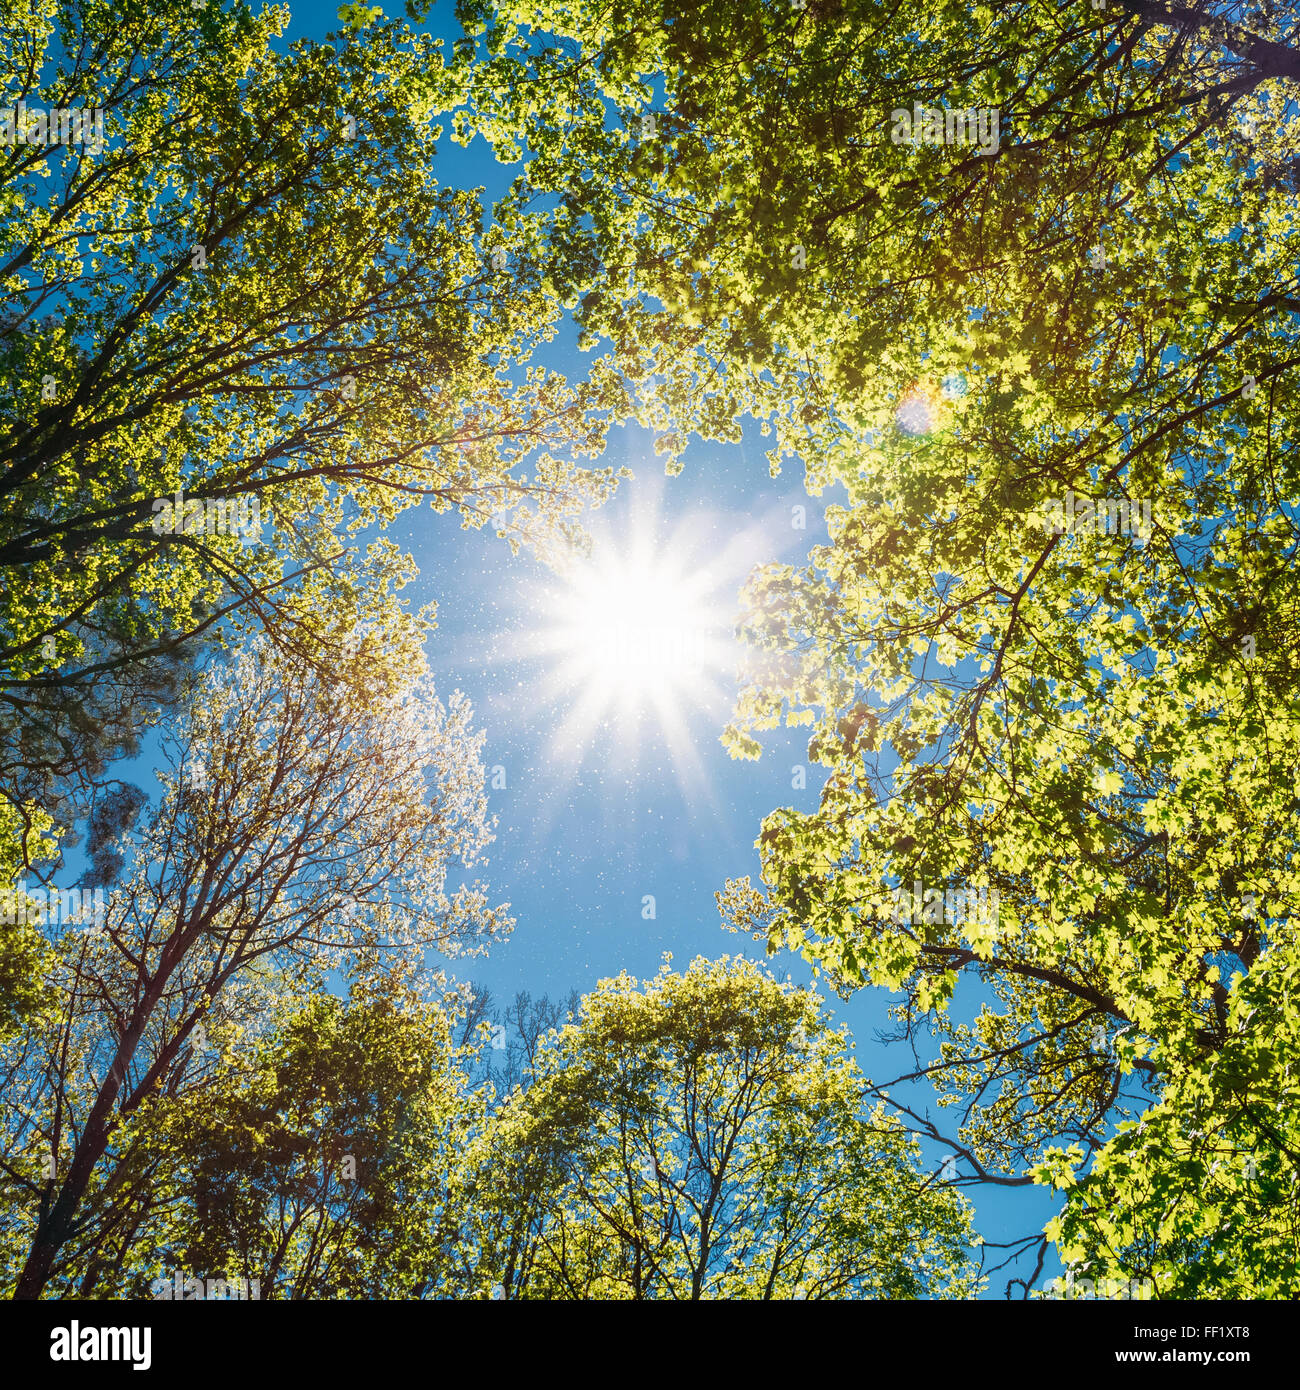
[636,638]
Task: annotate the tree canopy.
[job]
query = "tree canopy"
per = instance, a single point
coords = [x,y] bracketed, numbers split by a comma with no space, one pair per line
[701,1136]
[239,339]
[1017,287]
[305,825]
[1049,651]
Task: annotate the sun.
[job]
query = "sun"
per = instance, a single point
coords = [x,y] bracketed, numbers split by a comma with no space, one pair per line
[636,638]
[633,633]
